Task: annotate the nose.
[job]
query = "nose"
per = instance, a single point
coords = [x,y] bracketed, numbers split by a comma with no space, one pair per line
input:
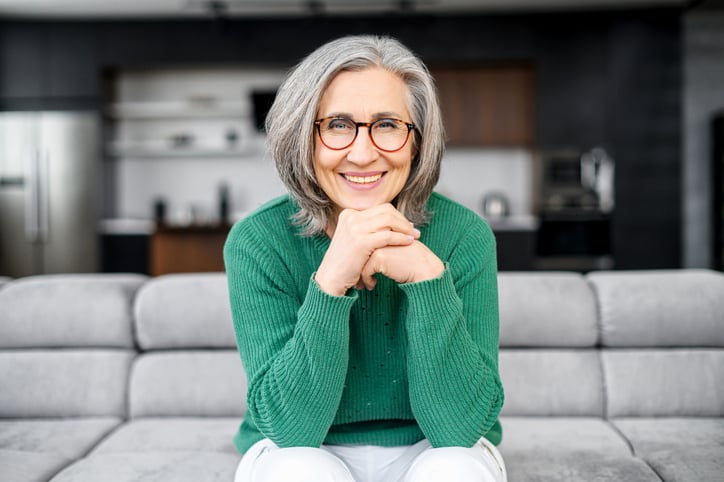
[363,151]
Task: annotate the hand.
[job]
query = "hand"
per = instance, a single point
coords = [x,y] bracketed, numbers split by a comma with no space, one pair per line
[357,235]
[404,264]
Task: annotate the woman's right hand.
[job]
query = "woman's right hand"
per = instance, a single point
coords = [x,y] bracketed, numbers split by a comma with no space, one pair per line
[355,237]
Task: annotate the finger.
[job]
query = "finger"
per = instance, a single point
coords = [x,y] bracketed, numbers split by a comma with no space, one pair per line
[367,277]
[381,239]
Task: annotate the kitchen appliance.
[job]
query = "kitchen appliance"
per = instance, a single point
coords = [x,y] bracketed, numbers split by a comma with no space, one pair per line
[48,201]
[495,206]
[575,204]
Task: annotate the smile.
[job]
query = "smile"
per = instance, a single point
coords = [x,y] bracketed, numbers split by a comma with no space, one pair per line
[362,179]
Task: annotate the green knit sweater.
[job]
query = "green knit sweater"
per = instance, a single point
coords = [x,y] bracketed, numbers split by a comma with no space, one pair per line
[383,367]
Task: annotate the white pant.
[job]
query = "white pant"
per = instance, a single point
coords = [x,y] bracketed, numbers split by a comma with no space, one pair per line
[265,462]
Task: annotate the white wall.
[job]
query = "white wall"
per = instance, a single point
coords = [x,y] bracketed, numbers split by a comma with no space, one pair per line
[192,183]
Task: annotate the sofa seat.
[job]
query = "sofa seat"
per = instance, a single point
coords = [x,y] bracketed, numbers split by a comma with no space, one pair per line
[70,438]
[562,435]
[30,466]
[172,434]
[172,466]
[651,435]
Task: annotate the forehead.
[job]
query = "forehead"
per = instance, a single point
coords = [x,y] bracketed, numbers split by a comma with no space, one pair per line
[364,93]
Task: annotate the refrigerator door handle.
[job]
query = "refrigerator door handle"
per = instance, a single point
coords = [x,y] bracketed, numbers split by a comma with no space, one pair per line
[36,206]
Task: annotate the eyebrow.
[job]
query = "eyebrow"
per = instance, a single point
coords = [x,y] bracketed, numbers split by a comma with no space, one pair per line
[375,116]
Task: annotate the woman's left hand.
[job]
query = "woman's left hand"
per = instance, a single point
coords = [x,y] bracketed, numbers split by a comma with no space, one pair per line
[403,264]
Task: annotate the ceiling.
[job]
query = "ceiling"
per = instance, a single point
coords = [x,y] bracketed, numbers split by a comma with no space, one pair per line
[207,8]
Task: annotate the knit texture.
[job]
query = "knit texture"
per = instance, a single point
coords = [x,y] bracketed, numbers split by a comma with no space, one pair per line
[383,367]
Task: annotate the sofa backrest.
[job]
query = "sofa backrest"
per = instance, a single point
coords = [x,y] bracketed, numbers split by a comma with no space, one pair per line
[663,342]
[189,364]
[549,362]
[66,345]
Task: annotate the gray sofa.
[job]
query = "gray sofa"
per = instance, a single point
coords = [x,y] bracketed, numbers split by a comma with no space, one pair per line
[609,376]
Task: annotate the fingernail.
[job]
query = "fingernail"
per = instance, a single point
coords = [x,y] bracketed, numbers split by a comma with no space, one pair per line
[416,231]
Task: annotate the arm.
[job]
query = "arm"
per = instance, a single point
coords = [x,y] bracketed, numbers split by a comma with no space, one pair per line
[452,328]
[294,346]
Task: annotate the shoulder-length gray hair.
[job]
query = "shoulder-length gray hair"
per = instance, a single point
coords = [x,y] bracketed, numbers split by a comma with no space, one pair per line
[290,124]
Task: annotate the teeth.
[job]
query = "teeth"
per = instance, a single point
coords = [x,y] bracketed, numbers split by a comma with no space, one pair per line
[362,179]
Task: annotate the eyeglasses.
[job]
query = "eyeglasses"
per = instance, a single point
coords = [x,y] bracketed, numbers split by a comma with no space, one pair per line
[388,135]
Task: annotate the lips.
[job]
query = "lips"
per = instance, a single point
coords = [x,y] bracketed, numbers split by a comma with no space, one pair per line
[363,179]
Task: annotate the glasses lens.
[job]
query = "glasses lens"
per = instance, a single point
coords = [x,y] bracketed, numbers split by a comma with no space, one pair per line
[337,133]
[389,134]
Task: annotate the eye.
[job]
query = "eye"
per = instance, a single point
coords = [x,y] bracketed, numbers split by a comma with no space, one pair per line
[340,125]
[387,125]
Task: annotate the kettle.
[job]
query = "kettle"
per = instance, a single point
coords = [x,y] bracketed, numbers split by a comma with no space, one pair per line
[495,205]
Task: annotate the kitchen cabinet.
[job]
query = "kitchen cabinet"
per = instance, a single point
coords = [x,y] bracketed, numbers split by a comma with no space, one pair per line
[188,249]
[487,105]
[48,66]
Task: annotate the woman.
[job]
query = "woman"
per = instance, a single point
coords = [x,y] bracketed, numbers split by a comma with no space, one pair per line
[364,305]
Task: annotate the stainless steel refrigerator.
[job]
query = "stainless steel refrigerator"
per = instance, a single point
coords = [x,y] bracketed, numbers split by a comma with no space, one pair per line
[49,200]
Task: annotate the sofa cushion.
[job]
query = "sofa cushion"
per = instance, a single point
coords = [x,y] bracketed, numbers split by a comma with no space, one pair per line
[686,464]
[648,435]
[668,382]
[661,308]
[551,382]
[546,310]
[68,311]
[64,383]
[188,383]
[70,438]
[185,311]
[167,434]
[195,466]
[561,435]
[577,467]
[20,466]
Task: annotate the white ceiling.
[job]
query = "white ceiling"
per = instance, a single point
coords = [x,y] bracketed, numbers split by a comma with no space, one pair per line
[204,8]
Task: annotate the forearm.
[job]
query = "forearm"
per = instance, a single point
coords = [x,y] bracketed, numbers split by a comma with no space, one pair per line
[293,398]
[455,390]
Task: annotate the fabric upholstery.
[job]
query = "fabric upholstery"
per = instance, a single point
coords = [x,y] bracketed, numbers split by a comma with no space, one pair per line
[68,311]
[531,314]
[686,464]
[577,467]
[159,466]
[21,466]
[561,435]
[170,434]
[668,383]
[70,437]
[64,383]
[648,435]
[551,382]
[612,376]
[201,300]
[661,308]
[188,383]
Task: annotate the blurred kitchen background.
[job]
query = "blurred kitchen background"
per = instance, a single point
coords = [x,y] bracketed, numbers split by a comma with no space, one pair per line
[590,134]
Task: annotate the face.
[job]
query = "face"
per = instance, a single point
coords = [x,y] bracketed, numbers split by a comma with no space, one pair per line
[362,176]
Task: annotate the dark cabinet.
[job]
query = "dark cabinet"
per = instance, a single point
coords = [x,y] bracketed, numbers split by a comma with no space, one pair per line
[45,66]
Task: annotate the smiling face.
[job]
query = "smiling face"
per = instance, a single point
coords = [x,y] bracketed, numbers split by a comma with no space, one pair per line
[362,176]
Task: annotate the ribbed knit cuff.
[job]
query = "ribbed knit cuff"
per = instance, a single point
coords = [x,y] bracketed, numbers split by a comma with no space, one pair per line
[320,305]
[436,296]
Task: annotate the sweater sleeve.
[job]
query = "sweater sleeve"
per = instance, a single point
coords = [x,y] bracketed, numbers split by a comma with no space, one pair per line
[294,345]
[452,328]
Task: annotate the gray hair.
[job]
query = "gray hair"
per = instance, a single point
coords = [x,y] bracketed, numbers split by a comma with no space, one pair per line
[290,124]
